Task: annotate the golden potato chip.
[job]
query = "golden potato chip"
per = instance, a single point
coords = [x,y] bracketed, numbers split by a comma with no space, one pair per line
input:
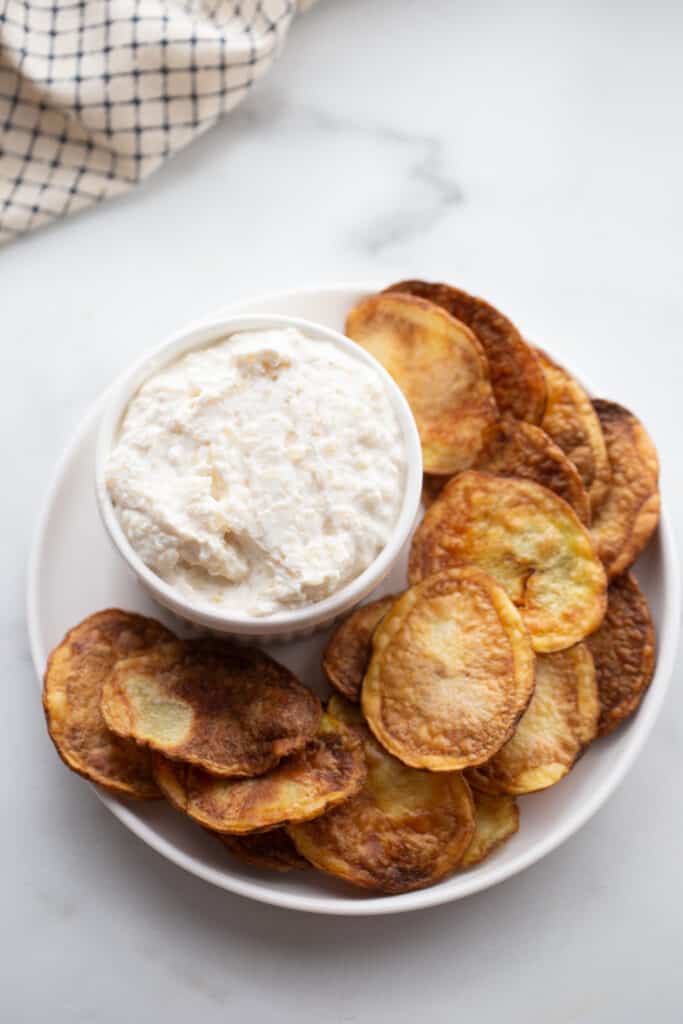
[562,718]
[451,672]
[516,376]
[229,709]
[570,421]
[440,367]
[76,671]
[406,828]
[273,850]
[329,770]
[347,654]
[529,540]
[496,818]
[623,650]
[629,513]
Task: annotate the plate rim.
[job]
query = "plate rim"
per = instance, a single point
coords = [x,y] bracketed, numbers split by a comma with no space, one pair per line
[371,905]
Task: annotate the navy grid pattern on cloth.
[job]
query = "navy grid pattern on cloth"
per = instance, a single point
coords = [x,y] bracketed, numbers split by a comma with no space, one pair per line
[96,94]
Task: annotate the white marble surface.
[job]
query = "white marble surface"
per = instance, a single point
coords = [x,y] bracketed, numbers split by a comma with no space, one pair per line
[529,152]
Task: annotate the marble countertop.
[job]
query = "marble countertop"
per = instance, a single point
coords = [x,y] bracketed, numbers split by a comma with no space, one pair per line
[530,153]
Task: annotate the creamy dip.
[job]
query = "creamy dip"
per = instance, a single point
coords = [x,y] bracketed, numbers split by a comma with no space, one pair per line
[261,473]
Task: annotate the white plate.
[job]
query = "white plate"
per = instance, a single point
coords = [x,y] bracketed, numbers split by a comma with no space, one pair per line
[74,571]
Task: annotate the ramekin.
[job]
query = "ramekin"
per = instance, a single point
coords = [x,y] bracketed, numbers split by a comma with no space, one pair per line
[294,623]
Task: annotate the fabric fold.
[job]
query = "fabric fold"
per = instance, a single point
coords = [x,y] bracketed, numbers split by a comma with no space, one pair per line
[96,95]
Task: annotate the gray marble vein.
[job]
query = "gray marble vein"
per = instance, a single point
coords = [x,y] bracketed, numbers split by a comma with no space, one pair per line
[426,189]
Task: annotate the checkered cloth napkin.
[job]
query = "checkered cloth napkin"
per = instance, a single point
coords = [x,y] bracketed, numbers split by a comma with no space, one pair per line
[96,94]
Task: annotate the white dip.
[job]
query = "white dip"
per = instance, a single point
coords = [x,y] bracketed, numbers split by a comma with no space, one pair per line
[261,473]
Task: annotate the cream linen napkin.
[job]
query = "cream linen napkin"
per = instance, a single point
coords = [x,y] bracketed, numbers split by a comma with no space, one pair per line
[95,95]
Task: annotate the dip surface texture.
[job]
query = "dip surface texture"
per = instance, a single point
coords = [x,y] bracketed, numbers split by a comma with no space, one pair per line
[261,473]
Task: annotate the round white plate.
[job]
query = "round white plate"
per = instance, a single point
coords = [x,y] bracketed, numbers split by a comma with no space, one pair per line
[74,571]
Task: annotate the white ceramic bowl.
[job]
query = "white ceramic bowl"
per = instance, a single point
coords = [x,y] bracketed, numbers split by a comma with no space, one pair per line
[293,623]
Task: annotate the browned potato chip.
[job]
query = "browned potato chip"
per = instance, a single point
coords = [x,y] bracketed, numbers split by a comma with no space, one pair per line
[76,671]
[571,422]
[529,540]
[516,376]
[623,650]
[451,672]
[229,709]
[273,850]
[329,770]
[348,650]
[562,718]
[629,513]
[496,818]
[404,830]
[440,367]
[514,448]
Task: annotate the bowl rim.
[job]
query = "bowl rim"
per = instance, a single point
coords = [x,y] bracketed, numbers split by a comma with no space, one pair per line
[208,332]
[486,875]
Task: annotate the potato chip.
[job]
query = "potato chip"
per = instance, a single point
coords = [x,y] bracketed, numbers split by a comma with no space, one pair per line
[347,654]
[570,421]
[227,708]
[514,448]
[406,828]
[629,513]
[496,819]
[516,376]
[623,650]
[451,672]
[562,718]
[529,540]
[440,367]
[273,850]
[76,671]
[329,770]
